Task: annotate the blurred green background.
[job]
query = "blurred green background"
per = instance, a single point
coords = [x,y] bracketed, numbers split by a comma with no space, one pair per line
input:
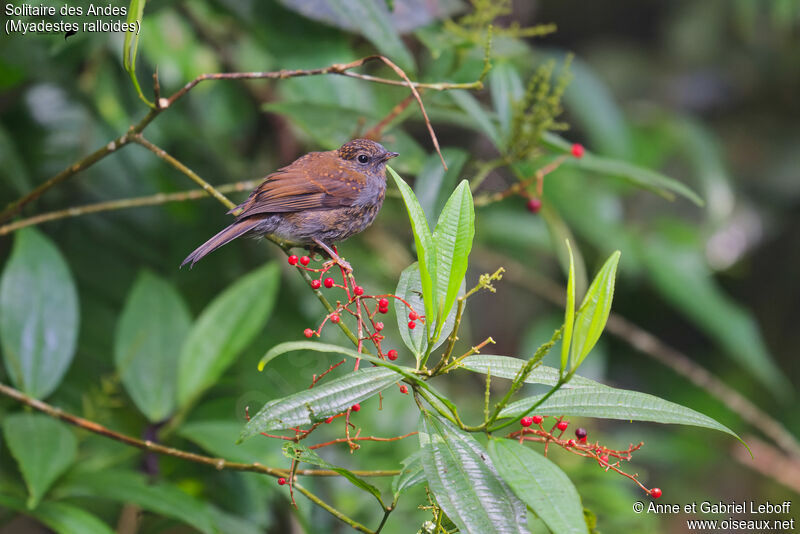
[703,92]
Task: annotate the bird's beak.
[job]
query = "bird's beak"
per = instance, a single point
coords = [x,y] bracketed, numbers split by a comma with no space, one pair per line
[390,155]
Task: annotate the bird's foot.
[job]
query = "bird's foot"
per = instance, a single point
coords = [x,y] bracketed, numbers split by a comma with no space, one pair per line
[340,262]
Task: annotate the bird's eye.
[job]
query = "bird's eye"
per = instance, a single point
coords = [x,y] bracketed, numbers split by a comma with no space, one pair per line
[363,158]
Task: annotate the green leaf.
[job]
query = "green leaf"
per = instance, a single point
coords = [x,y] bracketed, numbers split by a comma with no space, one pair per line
[507,88]
[224,329]
[465,482]
[60,517]
[218,437]
[611,403]
[38,314]
[680,274]
[433,183]
[508,367]
[470,105]
[409,288]
[411,475]
[569,312]
[317,404]
[43,447]
[639,176]
[147,345]
[298,451]
[376,26]
[406,372]
[129,487]
[593,313]
[426,250]
[541,484]
[453,241]
[131,45]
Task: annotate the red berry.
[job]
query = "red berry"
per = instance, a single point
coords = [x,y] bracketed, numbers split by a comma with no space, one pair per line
[577,150]
[580,433]
[292,260]
[358,290]
[562,425]
[582,440]
[526,421]
[328,283]
[335,318]
[316,284]
[379,326]
[383,303]
[537,419]
[403,389]
[355,407]
[655,493]
[305,260]
[281,481]
[383,310]
[604,458]
[413,316]
[534,205]
[412,325]
[308,332]
[329,419]
[571,443]
[392,354]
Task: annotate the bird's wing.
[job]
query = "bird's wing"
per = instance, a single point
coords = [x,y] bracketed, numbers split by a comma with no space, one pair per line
[316,181]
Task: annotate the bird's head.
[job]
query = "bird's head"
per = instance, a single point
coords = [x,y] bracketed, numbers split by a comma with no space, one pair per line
[367,155]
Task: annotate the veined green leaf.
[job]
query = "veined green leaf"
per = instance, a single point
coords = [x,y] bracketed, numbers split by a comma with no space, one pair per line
[317,404]
[593,313]
[508,367]
[130,487]
[465,482]
[147,344]
[639,176]
[224,329]
[426,250]
[540,484]
[38,314]
[611,403]
[452,239]
[61,517]
[409,289]
[411,475]
[569,312]
[43,447]
[298,451]
[131,44]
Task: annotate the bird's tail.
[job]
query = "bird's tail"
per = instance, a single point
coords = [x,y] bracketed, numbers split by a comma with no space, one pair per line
[227,235]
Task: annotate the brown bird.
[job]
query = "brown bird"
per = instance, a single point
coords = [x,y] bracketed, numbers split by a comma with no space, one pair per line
[319,199]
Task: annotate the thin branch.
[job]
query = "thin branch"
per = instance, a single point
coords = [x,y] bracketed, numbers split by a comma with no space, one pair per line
[147,445]
[331,510]
[660,351]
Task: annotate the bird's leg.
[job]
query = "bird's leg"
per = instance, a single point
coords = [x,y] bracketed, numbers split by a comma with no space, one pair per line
[334,257]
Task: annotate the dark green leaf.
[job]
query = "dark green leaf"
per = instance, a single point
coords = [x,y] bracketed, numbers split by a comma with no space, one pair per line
[148,341]
[452,239]
[298,451]
[43,447]
[61,517]
[569,311]
[224,329]
[129,487]
[610,403]
[317,404]
[593,313]
[465,482]
[426,249]
[541,484]
[508,367]
[38,314]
